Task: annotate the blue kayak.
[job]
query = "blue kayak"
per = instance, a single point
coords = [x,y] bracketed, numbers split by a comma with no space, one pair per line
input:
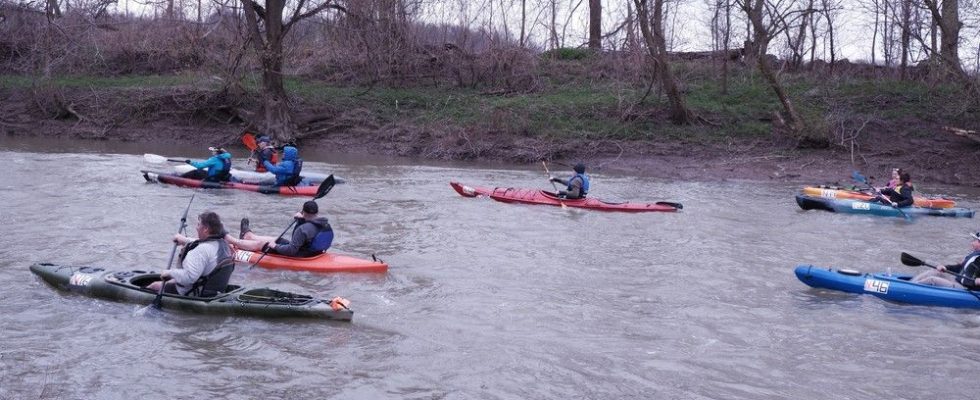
[895,288]
[863,207]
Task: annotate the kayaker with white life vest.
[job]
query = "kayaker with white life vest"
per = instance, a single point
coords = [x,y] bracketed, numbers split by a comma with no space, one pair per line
[311,236]
[205,264]
[970,268]
[288,170]
[901,195]
[577,186]
[217,168]
[265,152]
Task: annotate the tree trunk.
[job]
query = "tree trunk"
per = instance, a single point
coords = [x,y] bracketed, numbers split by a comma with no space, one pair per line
[761,37]
[523,21]
[657,44]
[595,24]
[906,37]
[278,121]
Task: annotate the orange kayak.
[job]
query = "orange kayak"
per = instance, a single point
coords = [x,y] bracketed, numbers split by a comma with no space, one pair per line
[841,193]
[326,262]
[534,196]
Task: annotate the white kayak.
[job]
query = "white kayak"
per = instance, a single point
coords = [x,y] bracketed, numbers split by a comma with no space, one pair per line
[263,178]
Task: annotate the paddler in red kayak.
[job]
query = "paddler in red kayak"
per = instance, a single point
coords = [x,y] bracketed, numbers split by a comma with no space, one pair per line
[969,269]
[214,169]
[206,263]
[265,152]
[311,236]
[577,187]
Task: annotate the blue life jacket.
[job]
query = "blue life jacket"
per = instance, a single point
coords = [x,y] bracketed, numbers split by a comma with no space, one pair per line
[288,170]
[585,183]
[322,241]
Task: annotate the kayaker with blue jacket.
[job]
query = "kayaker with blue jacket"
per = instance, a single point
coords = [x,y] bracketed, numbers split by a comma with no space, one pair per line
[214,169]
[206,264]
[577,186]
[287,171]
[311,236]
[970,268]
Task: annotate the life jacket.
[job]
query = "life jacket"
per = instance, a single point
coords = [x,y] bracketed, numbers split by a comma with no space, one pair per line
[970,269]
[214,283]
[585,183]
[266,154]
[295,178]
[223,173]
[323,238]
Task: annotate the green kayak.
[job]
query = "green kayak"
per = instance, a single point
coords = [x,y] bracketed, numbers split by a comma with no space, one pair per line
[129,286]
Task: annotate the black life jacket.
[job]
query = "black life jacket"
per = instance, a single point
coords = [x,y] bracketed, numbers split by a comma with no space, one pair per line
[214,283]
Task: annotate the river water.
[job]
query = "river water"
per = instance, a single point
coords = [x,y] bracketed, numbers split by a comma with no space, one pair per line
[483,300]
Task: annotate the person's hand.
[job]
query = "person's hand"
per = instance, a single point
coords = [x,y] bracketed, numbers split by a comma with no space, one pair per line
[941,268]
[299,214]
[165,275]
[266,247]
[181,239]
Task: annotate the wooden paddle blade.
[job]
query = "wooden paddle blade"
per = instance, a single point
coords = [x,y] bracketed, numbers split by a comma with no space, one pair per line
[325,187]
[249,140]
[911,261]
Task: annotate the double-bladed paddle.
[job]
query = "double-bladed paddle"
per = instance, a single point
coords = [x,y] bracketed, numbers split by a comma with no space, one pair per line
[911,261]
[562,203]
[321,191]
[158,301]
[860,178]
[158,159]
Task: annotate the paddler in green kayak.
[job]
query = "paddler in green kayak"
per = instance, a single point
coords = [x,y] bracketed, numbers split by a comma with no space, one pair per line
[577,186]
[206,263]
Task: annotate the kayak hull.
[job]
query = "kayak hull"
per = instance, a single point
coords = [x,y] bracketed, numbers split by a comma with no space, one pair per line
[171,179]
[534,196]
[326,262]
[895,288]
[840,193]
[127,286]
[263,178]
[864,207]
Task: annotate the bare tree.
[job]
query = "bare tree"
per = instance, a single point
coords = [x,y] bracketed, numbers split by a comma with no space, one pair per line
[948,21]
[762,35]
[595,24]
[267,30]
[657,46]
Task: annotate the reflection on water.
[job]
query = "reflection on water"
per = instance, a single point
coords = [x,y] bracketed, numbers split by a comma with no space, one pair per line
[483,299]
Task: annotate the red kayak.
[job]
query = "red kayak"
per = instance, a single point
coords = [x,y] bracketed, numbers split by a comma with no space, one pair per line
[169,178]
[534,196]
[326,262]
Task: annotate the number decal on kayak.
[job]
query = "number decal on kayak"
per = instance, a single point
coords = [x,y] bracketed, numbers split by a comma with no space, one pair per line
[874,285]
[242,255]
[860,206]
[79,279]
[830,194]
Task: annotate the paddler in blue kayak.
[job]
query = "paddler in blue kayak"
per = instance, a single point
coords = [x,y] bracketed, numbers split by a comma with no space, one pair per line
[969,268]
[577,186]
[311,236]
[206,263]
[288,170]
[214,169]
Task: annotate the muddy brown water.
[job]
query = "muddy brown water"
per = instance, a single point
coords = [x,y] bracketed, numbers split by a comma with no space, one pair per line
[483,300]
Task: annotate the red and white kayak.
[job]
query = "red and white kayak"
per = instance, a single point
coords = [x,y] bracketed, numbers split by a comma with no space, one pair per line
[168,178]
[326,262]
[535,196]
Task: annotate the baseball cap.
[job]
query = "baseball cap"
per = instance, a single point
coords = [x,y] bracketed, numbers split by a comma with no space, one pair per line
[310,207]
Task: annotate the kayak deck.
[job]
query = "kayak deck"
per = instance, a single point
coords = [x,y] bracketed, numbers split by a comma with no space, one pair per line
[326,262]
[167,178]
[130,286]
[535,196]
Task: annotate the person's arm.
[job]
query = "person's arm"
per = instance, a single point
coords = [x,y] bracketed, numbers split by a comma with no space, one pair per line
[298,239]
[192,267]
[282,168]
[559,180]
[206,163]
